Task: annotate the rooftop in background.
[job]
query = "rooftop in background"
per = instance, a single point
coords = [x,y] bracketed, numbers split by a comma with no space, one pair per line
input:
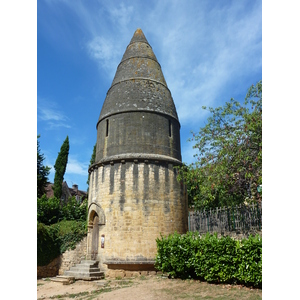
[67,192]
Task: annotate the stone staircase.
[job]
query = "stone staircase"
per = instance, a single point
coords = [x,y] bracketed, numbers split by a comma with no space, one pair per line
[86,270]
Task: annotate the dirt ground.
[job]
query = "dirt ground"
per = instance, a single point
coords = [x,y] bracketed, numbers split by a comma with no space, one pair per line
[143,288]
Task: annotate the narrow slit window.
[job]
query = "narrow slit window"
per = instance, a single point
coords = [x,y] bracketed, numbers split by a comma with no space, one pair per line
[107,124]
[170,128]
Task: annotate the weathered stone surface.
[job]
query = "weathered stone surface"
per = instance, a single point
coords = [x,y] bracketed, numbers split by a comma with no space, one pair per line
[133,184]
[64,262]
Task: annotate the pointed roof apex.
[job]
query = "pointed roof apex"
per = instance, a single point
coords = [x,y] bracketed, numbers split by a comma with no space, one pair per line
[139,84]
[139,37]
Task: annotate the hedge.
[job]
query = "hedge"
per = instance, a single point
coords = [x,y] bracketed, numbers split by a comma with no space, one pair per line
[213,259]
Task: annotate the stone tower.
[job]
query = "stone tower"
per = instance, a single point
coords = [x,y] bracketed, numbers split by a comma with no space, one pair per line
[134,195]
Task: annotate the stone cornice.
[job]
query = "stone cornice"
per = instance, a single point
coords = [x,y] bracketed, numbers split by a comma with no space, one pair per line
[136,158]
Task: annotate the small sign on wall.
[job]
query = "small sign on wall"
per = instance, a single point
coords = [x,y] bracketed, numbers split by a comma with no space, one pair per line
[102,240]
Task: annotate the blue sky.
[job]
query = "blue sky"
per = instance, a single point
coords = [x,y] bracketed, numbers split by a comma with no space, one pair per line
[209,51]
[58,59]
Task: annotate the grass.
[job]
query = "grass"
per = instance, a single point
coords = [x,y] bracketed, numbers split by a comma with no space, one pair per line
[47,279]
[84,295]
[70,295]
[174,288]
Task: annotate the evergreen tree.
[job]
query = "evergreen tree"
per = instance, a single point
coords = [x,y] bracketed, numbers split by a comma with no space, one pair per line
[42,172]
[60,168]
[93,157]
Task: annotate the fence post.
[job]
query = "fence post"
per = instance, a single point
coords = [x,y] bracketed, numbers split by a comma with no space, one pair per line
[217,220]
[238,218]
[258,215]
[233,219]
[207,222]
[228,218]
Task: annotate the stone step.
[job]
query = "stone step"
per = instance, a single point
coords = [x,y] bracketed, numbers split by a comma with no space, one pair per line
[85,275]
[89,262]
[85,268]
[65,280]
[71,272]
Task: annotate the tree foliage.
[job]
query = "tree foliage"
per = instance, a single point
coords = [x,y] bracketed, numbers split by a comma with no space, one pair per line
[60,168]
[93,158]
[52,210]
[42,171]
[55,239]
[228,165]
[48,210]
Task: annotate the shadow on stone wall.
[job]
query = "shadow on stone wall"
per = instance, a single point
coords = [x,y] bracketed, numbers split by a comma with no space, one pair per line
[63,262]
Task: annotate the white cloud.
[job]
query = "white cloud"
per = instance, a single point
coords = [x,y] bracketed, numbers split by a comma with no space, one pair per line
[104,52]
[199,64]
[76,167]
[203,46]
[49,113]
[121,14]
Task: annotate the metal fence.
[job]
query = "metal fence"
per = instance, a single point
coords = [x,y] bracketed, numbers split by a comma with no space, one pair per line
[238,218]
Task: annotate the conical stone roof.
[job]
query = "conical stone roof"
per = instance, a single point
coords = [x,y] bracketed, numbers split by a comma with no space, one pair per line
[139,84]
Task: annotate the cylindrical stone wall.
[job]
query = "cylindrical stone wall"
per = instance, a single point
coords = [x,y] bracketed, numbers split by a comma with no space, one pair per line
[140,200]
[138,132]
[134,195]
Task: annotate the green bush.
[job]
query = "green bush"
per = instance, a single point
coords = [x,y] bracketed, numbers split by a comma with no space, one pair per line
[70,233]
[73,210]
[48,210]
[215,262]
[60,227]
[211,258]
[48,244]
[249,259]
[51,210]
[175,255]
[53,240]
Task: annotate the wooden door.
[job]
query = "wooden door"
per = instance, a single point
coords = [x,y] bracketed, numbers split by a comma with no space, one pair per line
[95,237]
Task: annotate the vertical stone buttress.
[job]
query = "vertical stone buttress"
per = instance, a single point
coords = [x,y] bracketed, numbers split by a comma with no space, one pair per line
[133,187]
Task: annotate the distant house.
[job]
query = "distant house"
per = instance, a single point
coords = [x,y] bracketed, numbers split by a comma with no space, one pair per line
[67,192]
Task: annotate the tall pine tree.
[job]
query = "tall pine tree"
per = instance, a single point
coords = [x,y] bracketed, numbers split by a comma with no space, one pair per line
[93,157]
[60,168]
[42,172]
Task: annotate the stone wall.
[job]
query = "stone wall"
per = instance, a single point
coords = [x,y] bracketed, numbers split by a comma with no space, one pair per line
[64,262]
[139,201]
[50,270]
[138,132]
[120,273]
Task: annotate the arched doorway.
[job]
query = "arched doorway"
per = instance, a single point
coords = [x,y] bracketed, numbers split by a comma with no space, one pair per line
[95,237]
[95,225]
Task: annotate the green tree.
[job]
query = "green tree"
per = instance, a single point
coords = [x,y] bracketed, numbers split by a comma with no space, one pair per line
[93,157]
[42,171]
[49,210]
[228,165]
[74,210]
[60,168]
